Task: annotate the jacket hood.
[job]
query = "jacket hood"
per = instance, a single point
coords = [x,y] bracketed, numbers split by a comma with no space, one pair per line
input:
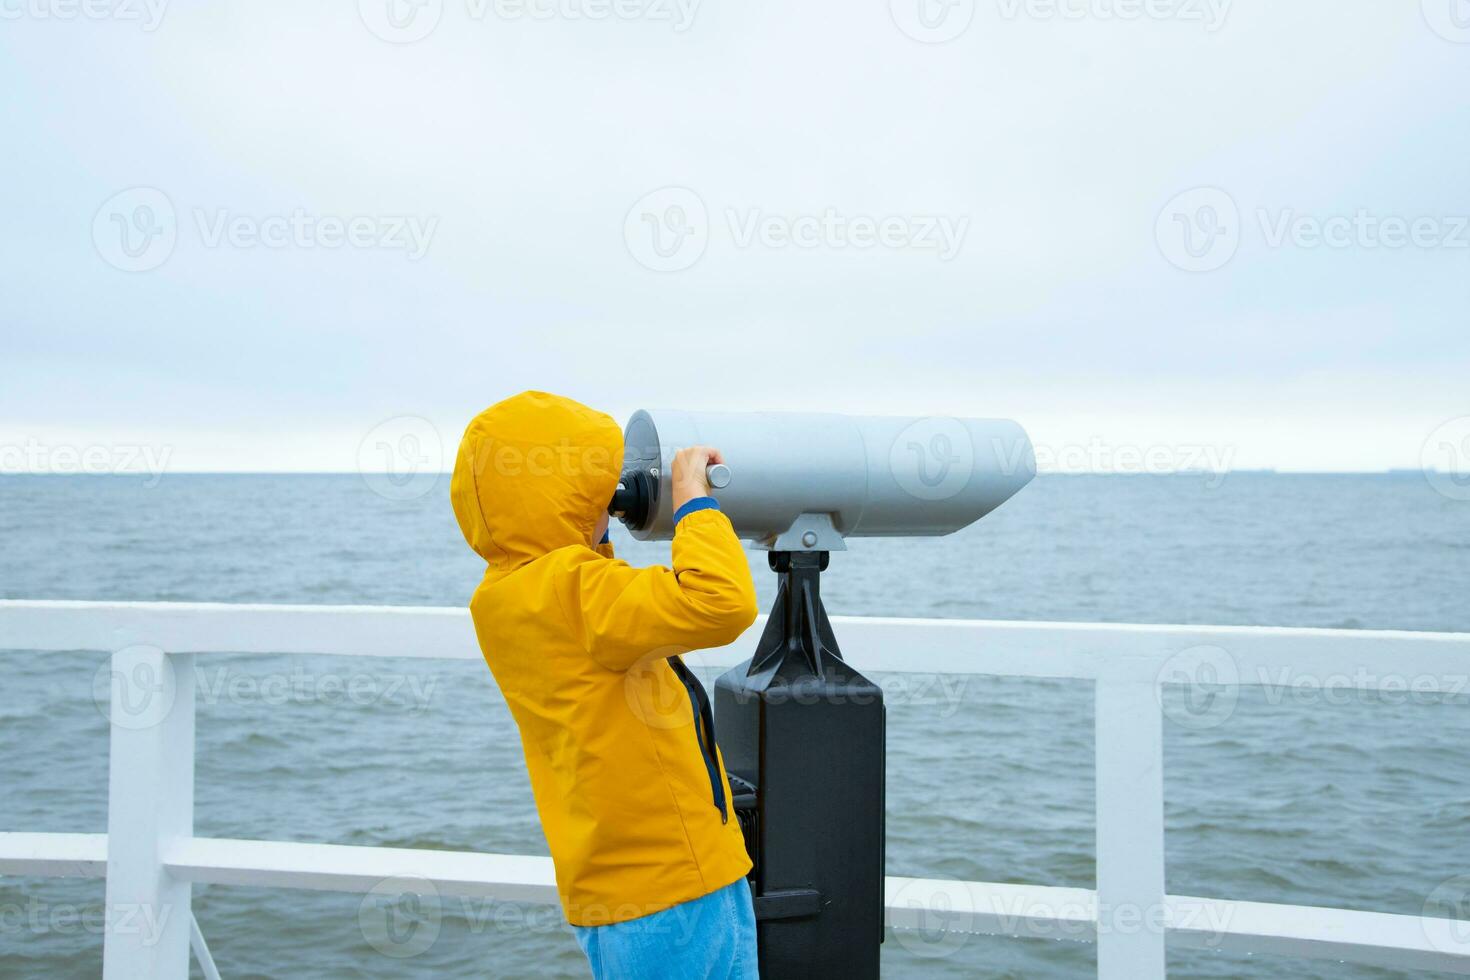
[533,474]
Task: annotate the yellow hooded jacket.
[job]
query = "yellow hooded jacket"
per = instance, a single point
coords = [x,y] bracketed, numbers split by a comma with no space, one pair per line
[631,790]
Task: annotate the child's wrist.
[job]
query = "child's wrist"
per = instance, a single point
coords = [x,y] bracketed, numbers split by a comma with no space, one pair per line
[694,506]
[686,493]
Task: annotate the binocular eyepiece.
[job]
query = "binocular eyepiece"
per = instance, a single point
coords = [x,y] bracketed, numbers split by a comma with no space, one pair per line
[637,492]
[633,498]
[808,481]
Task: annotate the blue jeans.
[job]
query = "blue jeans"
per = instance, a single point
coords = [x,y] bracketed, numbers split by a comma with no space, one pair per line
[709,938]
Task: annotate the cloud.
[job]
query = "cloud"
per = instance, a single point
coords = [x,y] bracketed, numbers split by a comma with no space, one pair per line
[526,140]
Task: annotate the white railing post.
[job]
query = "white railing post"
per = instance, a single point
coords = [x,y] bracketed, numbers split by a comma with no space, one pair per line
[149,697]
[1130,824]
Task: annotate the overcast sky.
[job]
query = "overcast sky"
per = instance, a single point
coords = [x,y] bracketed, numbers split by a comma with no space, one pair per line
[247,235]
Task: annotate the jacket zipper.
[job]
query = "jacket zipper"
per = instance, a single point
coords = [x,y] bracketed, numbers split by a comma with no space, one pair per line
[704,732]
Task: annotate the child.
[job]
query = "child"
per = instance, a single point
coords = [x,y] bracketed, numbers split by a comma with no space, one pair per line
[617,733]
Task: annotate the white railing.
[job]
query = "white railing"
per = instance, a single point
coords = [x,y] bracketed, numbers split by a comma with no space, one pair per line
[151,782]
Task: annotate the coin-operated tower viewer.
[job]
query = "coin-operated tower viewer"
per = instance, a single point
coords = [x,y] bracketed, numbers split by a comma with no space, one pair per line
[800,729]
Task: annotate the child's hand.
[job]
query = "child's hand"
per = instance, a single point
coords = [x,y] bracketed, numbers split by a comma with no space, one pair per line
[688,478]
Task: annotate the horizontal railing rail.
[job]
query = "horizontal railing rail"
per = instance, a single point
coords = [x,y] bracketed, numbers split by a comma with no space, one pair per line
[1128,915]
[900,645]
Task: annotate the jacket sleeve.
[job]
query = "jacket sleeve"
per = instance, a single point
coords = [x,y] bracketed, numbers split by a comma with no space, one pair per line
[706,600]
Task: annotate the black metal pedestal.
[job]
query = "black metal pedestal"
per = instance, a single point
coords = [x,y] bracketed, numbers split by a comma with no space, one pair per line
[802,735]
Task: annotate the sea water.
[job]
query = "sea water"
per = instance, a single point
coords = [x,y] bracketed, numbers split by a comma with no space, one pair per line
[1300,796]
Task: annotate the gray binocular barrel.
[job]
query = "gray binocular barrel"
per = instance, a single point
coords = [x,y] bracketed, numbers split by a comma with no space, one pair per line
[804,482]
